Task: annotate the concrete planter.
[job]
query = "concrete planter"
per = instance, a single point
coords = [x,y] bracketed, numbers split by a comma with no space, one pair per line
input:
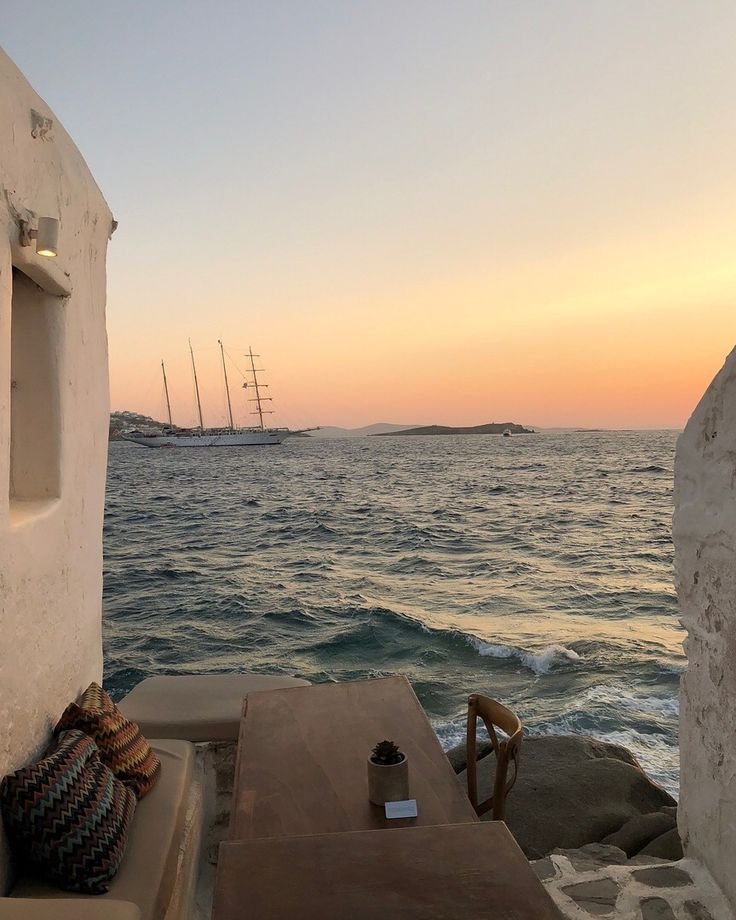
[388,782]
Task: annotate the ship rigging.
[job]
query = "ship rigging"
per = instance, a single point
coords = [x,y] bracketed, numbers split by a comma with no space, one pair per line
[230,436]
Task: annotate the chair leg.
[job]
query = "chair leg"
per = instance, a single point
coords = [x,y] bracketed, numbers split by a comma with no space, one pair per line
[471,753]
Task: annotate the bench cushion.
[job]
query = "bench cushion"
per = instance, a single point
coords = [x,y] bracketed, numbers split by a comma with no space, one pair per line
[196,707]
[147,874]
[68,816]
[71,909]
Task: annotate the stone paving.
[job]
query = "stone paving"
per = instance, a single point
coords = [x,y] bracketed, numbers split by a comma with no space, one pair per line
[599,881]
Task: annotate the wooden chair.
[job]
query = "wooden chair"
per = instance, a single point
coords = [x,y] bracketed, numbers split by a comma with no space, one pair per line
[507,751]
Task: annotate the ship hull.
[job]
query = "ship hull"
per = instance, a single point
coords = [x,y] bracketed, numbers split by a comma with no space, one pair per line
[225,439]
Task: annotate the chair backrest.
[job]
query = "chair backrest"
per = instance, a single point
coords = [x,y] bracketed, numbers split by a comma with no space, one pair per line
[507,751]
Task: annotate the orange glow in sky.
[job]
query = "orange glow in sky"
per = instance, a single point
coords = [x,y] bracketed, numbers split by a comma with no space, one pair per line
[626,336]
[417,212]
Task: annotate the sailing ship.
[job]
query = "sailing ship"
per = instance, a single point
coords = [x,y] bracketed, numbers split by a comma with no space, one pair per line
[172,436]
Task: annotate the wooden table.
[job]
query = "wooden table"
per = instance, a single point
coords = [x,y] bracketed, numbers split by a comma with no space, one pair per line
[302,761]
[452,872]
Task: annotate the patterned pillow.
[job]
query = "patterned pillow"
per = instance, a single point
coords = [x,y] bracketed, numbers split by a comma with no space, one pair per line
[122,746]
[68,815]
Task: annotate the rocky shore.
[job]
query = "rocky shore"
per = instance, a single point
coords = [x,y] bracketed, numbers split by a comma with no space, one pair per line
[573,791]
[599,833]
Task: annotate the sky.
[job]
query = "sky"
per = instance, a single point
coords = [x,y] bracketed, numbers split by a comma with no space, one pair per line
[415,211]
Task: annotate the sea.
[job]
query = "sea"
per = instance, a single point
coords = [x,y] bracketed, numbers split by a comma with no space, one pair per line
[536,569]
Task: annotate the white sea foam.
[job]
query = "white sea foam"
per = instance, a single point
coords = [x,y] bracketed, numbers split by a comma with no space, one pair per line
[622,696]
[450,733]
[487,649]
[541,662]
[544,661]
[656,753]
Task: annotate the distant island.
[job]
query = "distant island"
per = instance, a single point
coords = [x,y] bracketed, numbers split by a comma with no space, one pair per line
[490,428]
[333,431]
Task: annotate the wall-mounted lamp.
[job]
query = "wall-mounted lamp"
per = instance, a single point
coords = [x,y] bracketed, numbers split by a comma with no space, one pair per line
[46,236]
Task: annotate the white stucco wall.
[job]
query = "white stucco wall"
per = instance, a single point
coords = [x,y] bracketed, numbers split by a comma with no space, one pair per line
[51,518]
[705,563]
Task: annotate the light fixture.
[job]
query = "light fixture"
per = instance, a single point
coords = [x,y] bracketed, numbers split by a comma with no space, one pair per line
[46,236]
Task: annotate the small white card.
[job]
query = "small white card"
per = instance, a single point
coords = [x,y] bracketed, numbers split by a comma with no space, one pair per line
[403,809]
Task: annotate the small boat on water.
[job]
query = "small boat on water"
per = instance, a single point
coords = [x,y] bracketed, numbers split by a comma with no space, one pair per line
[172,436]
[507,433]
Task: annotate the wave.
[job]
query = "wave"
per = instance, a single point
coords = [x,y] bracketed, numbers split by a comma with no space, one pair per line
[542,662]
[673,667]
[449,560]
[626,697]
[359,627]
[656,753]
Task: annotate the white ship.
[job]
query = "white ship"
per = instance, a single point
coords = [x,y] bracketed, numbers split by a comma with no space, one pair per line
[210,437]
[172,436]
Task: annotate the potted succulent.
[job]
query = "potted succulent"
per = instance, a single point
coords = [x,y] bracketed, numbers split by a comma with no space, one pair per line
[388,774]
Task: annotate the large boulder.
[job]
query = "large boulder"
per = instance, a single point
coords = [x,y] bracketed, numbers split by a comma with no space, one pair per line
[458,756]
[641,830]
[666,846]
[571,791]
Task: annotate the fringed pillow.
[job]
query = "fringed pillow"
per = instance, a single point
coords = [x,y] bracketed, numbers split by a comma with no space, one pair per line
[68,815]
[122,746]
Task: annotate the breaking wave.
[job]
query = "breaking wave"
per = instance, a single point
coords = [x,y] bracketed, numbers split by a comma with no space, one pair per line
[541,662]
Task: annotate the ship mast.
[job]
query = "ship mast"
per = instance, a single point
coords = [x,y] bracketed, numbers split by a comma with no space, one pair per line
[196,388]
[259,399]
[227,388]
[166,391]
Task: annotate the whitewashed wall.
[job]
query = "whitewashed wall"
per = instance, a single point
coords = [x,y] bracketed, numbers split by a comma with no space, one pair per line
[51,512]
[705,562]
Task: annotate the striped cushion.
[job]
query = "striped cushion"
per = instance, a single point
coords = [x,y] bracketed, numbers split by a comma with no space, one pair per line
[68,815]
[122,746]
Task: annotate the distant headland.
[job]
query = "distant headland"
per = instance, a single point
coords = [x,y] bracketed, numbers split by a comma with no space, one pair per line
[122,421]
[490,428]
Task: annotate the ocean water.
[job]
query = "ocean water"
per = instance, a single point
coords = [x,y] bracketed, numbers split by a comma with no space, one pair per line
[536,569]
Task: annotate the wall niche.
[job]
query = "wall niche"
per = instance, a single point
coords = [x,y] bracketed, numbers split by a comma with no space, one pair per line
[35,394]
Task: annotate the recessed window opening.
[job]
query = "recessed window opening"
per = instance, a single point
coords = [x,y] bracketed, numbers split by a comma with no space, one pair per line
[35,412]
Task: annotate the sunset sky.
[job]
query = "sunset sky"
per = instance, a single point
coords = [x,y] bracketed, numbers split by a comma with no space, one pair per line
[415,211]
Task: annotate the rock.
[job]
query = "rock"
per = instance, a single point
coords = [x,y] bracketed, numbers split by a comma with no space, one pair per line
[666,846]
[640,860]
[638,831]
[656,909]
[662,877]
[544,869]
[597,897]
[571,791]
[459,759]
[593,856]
[696,911]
